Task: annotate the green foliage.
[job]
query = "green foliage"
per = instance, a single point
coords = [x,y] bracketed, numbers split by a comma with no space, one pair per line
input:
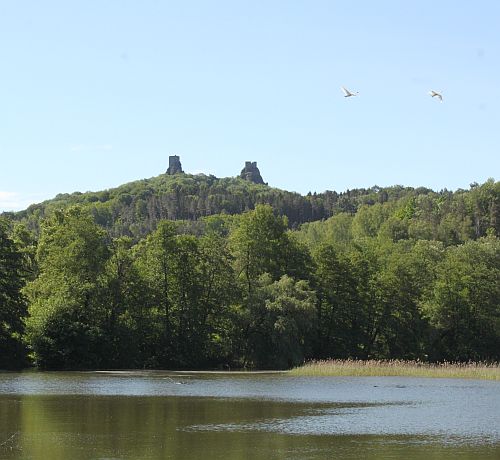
[127,321]
[150,275]
[336,231]
[134,209]
[12,302]
[189,287]
[65,325]
[453,218]
[406,271]
[369,219]
[340,306]
[464,303]
[259,243]
[281,318]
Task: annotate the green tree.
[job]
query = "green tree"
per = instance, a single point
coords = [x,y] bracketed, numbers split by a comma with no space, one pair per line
[369,219]
[281,318]
[340,306]
[190,286]
[154,258]
[261,244]
[219,292]
[127,320]
[12,303]
[186,295]
[65,328]
[464,303]
[406,271]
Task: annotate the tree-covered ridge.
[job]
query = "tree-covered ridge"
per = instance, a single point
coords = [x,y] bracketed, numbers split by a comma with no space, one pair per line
[245,291]
[134,209]
[449,217]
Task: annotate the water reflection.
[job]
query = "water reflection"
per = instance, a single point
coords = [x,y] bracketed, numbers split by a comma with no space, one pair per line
[80,416]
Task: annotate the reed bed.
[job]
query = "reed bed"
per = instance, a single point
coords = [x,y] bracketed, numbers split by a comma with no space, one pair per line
[396,367]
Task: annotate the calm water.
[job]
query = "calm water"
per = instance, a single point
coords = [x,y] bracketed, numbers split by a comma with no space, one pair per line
[161,415]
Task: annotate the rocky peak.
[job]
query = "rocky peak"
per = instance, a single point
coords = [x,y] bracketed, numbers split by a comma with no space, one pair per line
[251,172]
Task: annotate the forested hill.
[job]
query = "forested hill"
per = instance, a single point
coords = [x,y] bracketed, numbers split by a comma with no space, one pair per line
[396,273]
[134,209]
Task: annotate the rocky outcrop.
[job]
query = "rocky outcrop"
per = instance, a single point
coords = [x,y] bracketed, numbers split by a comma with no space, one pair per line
[251,173]
[174,165]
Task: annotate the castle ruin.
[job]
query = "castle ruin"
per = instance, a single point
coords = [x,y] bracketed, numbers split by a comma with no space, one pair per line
[251,173]
[174,165]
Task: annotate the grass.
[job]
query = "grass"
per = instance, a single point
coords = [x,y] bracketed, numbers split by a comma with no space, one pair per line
[396,367]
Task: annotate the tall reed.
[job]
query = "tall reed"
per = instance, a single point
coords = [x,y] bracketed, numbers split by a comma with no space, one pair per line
[397,367]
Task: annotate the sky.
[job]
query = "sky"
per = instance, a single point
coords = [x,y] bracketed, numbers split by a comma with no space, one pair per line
[95,93]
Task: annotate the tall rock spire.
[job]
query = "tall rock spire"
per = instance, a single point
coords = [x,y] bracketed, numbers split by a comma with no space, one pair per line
[251,172]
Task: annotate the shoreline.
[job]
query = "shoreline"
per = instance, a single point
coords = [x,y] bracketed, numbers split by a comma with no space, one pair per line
[320,368]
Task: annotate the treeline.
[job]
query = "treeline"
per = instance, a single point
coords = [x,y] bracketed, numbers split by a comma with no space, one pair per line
[245,291]
[135,209]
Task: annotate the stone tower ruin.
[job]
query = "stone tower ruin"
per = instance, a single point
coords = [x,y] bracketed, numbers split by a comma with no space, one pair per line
[251,172]
[174,165]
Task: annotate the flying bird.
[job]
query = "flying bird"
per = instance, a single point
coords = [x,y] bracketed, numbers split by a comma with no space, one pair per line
[348,93]
[436,94]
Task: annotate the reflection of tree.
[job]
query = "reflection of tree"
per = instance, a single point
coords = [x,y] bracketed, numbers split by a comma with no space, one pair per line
[81,427]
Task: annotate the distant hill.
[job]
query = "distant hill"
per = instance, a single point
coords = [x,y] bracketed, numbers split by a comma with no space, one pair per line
[135,208]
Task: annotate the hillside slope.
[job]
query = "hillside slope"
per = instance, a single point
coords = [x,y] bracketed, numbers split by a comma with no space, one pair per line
[135,208]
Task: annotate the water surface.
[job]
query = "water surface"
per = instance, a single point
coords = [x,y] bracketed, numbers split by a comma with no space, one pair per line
[165,415]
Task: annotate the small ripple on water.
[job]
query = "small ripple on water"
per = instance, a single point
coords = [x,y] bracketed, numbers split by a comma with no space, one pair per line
[362,420]
[423,410]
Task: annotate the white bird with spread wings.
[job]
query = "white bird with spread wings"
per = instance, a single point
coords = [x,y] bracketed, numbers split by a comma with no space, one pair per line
[348,93]
[436,94]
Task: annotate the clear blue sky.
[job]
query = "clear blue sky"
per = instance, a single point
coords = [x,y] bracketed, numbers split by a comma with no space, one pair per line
[95,93]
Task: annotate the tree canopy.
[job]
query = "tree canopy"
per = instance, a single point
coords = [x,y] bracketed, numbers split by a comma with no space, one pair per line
[384,273]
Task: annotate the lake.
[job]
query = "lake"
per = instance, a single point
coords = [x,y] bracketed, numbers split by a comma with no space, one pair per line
[167,415]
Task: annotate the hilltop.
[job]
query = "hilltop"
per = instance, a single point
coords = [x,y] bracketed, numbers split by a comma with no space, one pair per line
[135,208]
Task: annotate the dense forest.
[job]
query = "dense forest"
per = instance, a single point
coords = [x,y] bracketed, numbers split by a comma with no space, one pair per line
[135,209]
[198,272]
